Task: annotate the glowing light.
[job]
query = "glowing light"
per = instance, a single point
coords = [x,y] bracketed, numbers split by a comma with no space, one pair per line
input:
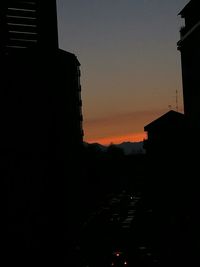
[137,137]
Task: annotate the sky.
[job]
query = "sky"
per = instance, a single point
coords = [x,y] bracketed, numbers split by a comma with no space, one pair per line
[130,65]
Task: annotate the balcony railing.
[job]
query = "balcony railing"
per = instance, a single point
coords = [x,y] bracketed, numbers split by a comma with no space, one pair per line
[183,31]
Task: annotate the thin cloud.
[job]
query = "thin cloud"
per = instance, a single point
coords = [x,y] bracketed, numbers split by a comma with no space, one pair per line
[129,126]
[136,115]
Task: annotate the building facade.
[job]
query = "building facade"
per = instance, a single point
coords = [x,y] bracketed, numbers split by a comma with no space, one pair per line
[41,131]
[35,72]
[188,45]
[28,24]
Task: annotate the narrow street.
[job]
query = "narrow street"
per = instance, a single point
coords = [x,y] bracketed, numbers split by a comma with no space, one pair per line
[117,234]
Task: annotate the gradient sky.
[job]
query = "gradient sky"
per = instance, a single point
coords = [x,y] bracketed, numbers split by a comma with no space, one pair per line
[130,66]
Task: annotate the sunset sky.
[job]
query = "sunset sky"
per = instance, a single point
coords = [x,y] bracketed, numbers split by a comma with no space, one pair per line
[130,66]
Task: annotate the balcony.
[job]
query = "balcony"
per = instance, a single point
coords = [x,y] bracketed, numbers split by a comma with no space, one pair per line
[183,31]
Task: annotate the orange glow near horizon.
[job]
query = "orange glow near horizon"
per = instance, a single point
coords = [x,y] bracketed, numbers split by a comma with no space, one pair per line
[136,137]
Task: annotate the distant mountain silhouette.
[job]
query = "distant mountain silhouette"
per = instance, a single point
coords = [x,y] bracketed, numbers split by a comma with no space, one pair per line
[128,147]
[132,147]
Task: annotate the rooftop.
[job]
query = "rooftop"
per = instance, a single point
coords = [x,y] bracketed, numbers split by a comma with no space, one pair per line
[192,5]
[171,118]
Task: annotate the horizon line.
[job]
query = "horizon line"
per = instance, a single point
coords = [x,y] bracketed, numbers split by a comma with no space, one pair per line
[116,140]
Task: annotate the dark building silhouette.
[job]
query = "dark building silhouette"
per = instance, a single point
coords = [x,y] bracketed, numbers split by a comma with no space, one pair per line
[188,45]
[172,145]
[166,134]
[28,24]
[172,148]
[41,133]
[29,40]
